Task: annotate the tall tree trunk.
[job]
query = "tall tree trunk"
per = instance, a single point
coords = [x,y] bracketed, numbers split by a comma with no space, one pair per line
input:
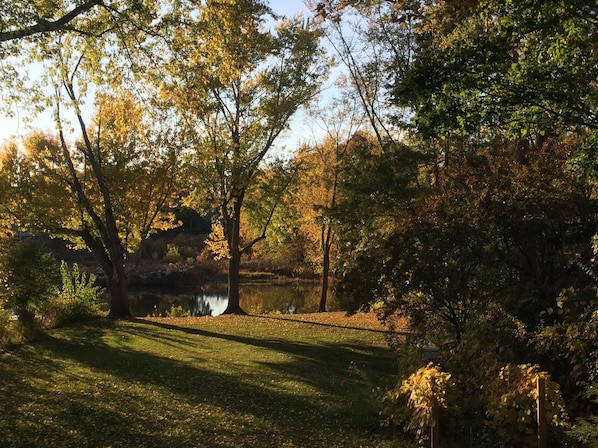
[112,262]
[234,266]
[118,287]
[326,242]
[325,274]
[233,230]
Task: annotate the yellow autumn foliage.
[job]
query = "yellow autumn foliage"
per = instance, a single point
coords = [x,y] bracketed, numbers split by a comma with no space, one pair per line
[412,404]
[512,404]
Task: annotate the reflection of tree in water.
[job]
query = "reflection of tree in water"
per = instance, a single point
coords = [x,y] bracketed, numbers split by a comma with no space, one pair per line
[286,299]
[207,305]
[256,299]
[148,304]
[200,307]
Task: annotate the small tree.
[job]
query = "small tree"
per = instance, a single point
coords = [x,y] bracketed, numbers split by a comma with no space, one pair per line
[317,194]
[416,402]
[237,84]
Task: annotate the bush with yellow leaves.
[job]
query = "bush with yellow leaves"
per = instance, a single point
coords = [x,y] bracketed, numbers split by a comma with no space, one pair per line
[512,405]
[412,403]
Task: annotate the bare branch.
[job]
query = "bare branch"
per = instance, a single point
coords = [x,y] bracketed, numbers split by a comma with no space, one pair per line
[46,26]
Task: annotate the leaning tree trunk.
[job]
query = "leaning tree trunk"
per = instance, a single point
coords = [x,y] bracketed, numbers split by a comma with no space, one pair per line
[234,263]
[107,247]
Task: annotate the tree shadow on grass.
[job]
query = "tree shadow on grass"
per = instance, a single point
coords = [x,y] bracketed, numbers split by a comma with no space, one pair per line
[135,398]
[277,344]
[326,357]
[326,324]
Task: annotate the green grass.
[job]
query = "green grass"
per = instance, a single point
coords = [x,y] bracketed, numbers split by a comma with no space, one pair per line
[230,381]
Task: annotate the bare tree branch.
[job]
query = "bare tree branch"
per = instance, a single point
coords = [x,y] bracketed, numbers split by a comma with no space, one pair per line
[45,26]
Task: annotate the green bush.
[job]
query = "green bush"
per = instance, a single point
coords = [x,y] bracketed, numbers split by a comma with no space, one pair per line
[8,333]
[177,311]
[29,281]
[585,429]
[172,253]
[79,298]
[188,246]
[568,338]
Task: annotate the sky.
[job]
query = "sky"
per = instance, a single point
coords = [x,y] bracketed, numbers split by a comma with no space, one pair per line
[288,7]
[19,124]
[300,131]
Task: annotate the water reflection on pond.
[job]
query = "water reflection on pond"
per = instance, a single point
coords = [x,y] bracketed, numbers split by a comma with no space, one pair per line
[302,297]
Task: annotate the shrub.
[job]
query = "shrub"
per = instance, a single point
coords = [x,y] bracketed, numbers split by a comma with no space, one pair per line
[568,340]
[585,429]
[177,311]
[8,333]
[153,248]
[413,403]
[189,246]
[79,297]
[29,282]
[512,405]
[172,253]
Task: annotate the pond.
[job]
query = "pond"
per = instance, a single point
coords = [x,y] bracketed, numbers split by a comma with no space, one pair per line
[299,297]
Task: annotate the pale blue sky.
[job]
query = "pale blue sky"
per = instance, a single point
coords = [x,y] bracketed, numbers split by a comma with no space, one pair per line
[288,7]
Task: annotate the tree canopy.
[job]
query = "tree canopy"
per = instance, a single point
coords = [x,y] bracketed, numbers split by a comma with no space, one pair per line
[114,176]
[499,66]
[237,84]
[24,19]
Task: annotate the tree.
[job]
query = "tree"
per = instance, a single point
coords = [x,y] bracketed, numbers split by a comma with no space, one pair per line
[237,84]
[442,265]
[318,184]
[317,193]
[518,82]
[492,232]
[334,9]
[115,180]
[496,77]
[502,97]
[113,190]
[380,188]
[502,66]
[26,28]
[370,44]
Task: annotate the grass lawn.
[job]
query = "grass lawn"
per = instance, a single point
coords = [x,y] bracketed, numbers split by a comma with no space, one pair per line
[228,381]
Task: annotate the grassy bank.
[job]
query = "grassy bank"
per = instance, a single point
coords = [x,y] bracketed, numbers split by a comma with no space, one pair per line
[229,381]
